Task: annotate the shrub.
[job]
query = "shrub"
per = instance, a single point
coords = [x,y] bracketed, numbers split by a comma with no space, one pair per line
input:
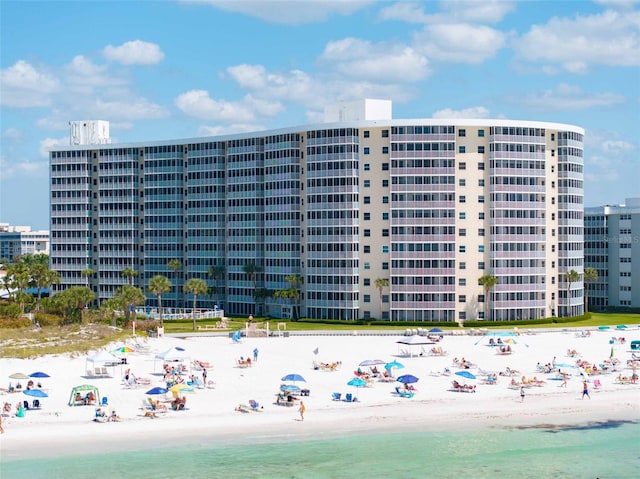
[11,310]
[44,319]
[15,323]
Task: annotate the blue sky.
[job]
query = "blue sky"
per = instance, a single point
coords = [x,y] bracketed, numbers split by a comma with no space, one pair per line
[180,69]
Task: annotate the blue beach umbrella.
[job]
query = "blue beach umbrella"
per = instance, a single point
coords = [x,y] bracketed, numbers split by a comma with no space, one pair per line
[466,374]
[407,379]
[36,393]
[393,364]
[371,362]
[293,377]
[435,330]
[157,390]
[39,374]
[357,382]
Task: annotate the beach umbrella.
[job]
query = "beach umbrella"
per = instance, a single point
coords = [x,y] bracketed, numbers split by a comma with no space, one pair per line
[289,388]
[293,377]
[466,374]
[122,350]
[39,374]
[435,330]
[181,388]
[393,364]
[407,379]
[357,382]
[36,393]
[157,390]
[19,376]
[371,362]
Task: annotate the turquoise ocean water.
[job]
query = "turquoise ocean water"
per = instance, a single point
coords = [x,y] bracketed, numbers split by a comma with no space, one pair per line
[605,450]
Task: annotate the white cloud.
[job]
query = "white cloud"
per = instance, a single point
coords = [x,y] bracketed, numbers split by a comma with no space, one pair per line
[288,12]
[478,11]
[383,62]
[133,109]
[617,146]
[610,38]
[198,104]
[136,52]
[410,12]
[23,86]
[466,113]
[565,97]
[22,169]
[51,142]
[12,133]
[459,42]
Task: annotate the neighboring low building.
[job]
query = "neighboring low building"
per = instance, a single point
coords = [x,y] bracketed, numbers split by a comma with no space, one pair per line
[20,240]
[612,247]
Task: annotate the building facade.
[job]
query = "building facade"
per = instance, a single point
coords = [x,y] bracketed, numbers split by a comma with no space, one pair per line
[612,247]
[20,240]
[428,205]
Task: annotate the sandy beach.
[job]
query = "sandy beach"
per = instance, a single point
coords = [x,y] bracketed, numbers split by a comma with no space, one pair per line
[57,428]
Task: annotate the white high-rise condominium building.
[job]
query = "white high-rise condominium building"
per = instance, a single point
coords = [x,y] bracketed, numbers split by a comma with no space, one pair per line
[612,247]
[20,240]
[379,217]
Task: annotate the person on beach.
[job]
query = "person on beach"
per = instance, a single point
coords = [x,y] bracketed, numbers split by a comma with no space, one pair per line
[585,390]
[565,377]
[521,393]
[301,410]
[204,376]
[255,354]
[1,421]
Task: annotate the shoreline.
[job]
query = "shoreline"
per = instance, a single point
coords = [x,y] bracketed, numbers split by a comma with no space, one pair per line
[60,430]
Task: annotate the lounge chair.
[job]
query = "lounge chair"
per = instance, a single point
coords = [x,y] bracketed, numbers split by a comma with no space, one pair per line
[105,401]
[350,398]
[255,406]
[336,396]
[36,404]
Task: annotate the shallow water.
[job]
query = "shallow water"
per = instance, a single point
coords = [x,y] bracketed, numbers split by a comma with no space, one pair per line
[598,450]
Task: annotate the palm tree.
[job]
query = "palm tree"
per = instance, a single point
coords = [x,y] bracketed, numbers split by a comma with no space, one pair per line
[195,286]
[176,265]
[590,276]
[291,294]
[570,277]
[251,270]
[159,285]
[381,283]
[87,273]
[128,298]
[129,273]
[217,273]
[45,279]
[487,281]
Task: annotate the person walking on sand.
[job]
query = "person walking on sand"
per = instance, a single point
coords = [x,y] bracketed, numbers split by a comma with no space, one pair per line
[565,376]
[255,354]
[204,376]
[301,410]
[521,393]
[585,390]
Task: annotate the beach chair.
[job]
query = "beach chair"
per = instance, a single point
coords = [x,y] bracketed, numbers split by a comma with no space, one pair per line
[255,406]
[350,398]
[336,396]
[36,404]
[105,401]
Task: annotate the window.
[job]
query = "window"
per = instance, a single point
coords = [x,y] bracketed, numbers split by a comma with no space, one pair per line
[367,183]
[481,199]
[553,184]
[481,265]
[366,150]
[385,298]
[462,182]
[553,200]
[366,298]
[366,167]
[367,248]
[385,183]
[480,231]
[385,166]
[462,315]
[462,281]
[462,149]
[481,215]
[481,248]
[367,216]
[481,150]
[553,232]
[462,132]
[367,133]
[462,248]
[385,133]
[385,216]
[385,265]
[385,150]
[553,152]
[553,137]
[481,166]
[385,248]
[385,200]
[367,233]
[367,265]
[462,215]
[481,182]
[367,281]
[462,165]
[462,232]
[462,199]
[481,133]
[366,200]
[462,298]
[462,265]
[385,232]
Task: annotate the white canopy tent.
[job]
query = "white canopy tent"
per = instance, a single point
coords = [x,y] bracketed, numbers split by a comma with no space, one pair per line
[96,365]
[414,340]
[173,354]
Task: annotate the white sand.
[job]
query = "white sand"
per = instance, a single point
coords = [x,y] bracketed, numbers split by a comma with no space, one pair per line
[60,429]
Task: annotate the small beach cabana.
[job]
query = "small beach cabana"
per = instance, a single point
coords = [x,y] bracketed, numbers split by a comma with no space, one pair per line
[83,390]
[413,341]
[96,365]
[173,354]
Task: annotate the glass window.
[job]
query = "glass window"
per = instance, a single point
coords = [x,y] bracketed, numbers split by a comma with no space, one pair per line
[463,199]
[366,150]
[462,232]
[367,265]
[367,281]
[481,133]
[367,183]
[481,215]
[385,249]
[366,200]
[385,216]
[462,165]
[481,248]
[462,281]
[462,298]
[367,248]
[366,298]
[462,132]
[462,265]
[462,248]
[385,183]
[462,215]
[385,150]
[481,182]
[385,166]
[462,182]
[385,265]
[385,232]
[367,233]
[462,149]
[481,199]
[481,165]
[385,133]
[385,200]
[367,133]
[367,216]
[366,167]
[481,150]
[481,265]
